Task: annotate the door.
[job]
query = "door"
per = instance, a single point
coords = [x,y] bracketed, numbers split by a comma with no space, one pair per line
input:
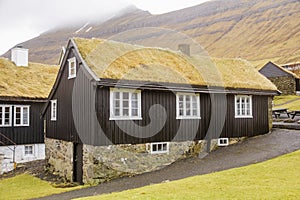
[77,163]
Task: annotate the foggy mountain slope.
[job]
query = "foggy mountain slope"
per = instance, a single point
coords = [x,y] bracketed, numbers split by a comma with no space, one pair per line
[253,30]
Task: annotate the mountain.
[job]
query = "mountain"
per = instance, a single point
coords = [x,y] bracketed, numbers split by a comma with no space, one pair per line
[256,30]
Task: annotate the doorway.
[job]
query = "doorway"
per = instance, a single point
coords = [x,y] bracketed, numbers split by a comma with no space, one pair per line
[77,162]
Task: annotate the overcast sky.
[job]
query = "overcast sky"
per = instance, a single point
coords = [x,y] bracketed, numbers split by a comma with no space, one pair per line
[21,20]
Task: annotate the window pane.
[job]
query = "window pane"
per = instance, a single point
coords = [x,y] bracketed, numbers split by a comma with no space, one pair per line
[117,112]
[18,115]
[116,95]
[25,115]
[195,112]
[134,112]
[154,147]
[125,95]
[116,104]
[125,104]
[134,104]
[125,112]
[159,147]
[134,96]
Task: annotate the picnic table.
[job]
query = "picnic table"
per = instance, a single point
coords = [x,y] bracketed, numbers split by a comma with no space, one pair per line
[277,112]
[295,113]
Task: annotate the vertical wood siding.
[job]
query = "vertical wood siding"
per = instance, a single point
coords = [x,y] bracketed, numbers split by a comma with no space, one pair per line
[32,134]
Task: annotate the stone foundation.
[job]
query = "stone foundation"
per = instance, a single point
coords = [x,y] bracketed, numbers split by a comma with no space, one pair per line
[59,156]
[285,84]
[103,163]
[270,106]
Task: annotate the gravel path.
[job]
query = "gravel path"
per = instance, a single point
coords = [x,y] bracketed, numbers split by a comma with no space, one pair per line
[250,151]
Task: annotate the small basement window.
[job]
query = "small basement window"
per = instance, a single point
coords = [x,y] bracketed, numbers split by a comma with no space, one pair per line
[53,110]
[222,142]
[243,106]
[72,68]
[28,151]
[159,147]
[5,115]
[21,117]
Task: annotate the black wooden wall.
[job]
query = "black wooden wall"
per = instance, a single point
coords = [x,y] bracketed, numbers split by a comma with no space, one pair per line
[32,134]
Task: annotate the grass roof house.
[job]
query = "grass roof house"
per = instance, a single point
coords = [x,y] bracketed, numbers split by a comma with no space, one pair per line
[24,89]
[118,109]
[286,81]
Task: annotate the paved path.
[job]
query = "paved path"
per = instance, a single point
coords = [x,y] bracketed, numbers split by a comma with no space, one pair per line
[250,151]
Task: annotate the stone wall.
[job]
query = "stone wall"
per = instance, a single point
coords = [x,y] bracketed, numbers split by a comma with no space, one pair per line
[103,163]
[286,84]
[270,106]
[59,156]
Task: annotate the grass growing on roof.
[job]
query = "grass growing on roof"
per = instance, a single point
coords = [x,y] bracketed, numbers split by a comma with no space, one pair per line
[26,186]
[34,81]
[115,60]
[274,179]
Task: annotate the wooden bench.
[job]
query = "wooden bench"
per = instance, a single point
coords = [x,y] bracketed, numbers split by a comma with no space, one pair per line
[295,113]
[277,112]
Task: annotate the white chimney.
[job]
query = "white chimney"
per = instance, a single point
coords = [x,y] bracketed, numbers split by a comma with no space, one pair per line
[19,56]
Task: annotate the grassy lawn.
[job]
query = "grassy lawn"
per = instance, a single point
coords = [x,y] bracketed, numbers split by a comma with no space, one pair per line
[274,179]
[285,99]
[26,186]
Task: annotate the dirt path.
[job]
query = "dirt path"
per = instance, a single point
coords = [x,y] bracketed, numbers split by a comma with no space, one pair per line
[250,151]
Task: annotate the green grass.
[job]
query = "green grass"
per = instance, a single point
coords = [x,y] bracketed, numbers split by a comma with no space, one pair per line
[26,186]
[274,179]
[295,105]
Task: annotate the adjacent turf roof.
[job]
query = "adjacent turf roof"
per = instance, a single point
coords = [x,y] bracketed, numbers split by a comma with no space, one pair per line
[115,60]
[34,81]
[282,68]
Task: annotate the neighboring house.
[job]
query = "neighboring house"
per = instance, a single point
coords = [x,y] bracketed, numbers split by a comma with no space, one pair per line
[286,81]
[24,88]
[118,109]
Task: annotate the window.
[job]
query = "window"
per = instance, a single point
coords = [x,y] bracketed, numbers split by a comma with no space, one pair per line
[5,115]
[243,106]
[159,147]
[223,142]
[125,104]
[72,67]
[21,116]
[53,110]
[188,106]
[28,151]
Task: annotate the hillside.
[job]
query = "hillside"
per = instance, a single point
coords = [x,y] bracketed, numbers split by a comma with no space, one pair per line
[254,30]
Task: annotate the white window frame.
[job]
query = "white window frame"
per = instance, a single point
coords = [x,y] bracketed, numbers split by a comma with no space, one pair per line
[223,142]
[28,154]
[53,114]
[236,109]
[21,115]
[184,116]
[122,117]
[70,62]
[157,150]
[2,123]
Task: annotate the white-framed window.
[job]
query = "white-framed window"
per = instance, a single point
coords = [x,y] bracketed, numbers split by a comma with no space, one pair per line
[53,110]
[28,150]
[72,68]
[159,147]
[5,115]
[21,115]
[243,106]
[125,104]
[222,142]
[187,106]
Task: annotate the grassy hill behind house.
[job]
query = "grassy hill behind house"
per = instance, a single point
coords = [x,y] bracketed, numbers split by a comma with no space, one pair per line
[291,102]
[255,30]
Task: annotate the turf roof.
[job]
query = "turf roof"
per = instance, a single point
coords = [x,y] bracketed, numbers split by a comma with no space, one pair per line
[34,81]
[282,68]
[115,60]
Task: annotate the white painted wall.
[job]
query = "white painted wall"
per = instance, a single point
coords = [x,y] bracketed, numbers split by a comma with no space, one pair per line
[20,157]
[19,56]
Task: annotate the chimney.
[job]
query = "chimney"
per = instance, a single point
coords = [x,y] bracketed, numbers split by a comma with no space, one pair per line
[19,56]
[185,48]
